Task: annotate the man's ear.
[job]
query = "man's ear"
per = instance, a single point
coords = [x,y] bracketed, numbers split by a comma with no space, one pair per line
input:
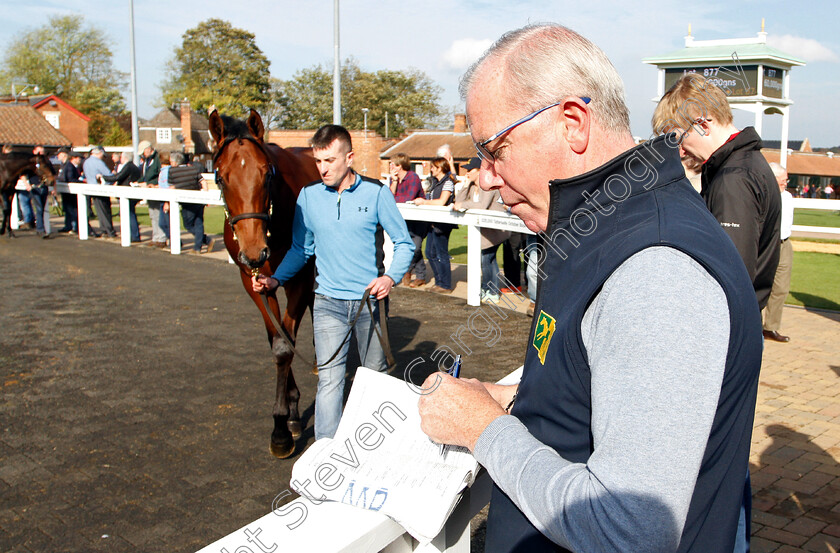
[577,119]
[350,158]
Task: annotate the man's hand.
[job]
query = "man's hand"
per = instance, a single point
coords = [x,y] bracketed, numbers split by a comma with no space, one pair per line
[456,411]
[262,283]
[380,287]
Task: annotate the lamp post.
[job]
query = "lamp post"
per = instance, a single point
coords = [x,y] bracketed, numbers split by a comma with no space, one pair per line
[16,95]
[365,111]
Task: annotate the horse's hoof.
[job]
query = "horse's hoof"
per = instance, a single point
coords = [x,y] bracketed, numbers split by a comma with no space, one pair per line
[295,429]
[282,451]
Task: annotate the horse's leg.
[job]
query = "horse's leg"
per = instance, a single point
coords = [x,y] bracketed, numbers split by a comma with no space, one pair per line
[298,298]
[6,199]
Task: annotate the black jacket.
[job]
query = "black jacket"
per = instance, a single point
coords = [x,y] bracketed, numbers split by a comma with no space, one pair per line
[128,173]
[69,173]
[741,192]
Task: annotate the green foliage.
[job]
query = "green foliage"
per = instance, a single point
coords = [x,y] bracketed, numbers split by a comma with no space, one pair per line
[410,98]
[218,65]
[70,59]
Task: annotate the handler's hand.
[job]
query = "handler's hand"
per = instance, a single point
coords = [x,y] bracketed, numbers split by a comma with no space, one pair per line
[380,287]
[456,411]
[262,283]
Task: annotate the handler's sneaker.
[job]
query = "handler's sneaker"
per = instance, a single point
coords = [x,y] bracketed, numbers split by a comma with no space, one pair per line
[489,297]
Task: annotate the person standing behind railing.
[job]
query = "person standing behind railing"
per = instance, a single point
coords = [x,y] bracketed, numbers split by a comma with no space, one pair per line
[405,186]
[188,177]
[441,192]
[473,197]
[150,168]
[94,168]
[69,172]
[128,173]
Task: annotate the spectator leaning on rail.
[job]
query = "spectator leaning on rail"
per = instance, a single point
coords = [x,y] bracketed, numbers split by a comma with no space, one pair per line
[473,197]
[188,177]
[738,187]
[406,187]
[126,174]
[340,221]
[645,309]
[94,169]
[68,173]
[150,169]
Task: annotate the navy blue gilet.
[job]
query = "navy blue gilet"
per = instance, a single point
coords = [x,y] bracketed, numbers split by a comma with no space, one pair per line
[596,221]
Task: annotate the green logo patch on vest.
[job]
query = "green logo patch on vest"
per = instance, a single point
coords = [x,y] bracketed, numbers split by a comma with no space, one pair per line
[543,334]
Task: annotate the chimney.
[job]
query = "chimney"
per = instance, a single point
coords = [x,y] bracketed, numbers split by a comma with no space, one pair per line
[186,127]
[460,123]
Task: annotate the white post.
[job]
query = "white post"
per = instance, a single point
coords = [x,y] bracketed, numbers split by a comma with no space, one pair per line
[175,227]
[15,222]
[785,131]
[473,263]
[81,203]
[46,215]
[336,68]
[125,223]
[759,112]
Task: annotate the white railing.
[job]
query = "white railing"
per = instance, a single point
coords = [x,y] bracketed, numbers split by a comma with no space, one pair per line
[124,193]
[812,203]
[330,527]
[474,219]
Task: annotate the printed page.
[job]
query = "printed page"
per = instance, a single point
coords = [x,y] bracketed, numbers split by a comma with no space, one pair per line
[381,460]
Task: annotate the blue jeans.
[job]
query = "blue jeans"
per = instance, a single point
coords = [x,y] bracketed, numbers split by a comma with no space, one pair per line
[193,215]
[133,225]
[39,199]
[71,211]
[489,268]
[331,319]
[24,199]
[437,252]
[742,537]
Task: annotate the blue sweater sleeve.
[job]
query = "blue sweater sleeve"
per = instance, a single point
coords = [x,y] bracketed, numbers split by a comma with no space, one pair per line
[303,244]
[394,224]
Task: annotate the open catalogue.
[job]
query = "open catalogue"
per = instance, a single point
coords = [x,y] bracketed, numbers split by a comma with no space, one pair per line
[380,460]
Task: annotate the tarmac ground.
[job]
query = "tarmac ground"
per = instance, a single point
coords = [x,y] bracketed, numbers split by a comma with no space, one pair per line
[138,388]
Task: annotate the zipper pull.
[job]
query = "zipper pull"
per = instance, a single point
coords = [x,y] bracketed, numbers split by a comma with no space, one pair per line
[338,206]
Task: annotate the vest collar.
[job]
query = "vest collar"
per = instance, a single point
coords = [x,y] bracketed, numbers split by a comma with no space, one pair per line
[650,165]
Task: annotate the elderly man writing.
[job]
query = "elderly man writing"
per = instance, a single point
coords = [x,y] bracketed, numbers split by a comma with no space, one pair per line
[630,429]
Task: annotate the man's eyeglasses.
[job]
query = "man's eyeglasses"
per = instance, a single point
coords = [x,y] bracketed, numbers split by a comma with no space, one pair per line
[489,156]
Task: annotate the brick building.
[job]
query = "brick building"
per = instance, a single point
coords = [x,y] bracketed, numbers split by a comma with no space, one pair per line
[179,130]
[69,121]
[22,127]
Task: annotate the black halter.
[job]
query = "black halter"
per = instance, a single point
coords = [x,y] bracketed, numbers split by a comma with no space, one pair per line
[269,176]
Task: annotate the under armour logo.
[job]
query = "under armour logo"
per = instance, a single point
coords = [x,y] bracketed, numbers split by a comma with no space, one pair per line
[363,209]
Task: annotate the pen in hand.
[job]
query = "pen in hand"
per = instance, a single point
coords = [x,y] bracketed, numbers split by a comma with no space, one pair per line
[456,370]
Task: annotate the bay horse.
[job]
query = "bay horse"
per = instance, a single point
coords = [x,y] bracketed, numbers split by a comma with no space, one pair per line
[260,183]
[14,165]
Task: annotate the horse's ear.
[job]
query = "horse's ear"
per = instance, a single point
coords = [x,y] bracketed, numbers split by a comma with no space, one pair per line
[217,127]
[255,125]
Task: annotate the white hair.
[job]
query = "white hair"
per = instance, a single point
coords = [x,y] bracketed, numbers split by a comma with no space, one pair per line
[544,63]
[777,169]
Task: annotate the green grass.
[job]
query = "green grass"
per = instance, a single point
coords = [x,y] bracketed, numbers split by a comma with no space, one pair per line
[816,218]
[814,281]
[214,218]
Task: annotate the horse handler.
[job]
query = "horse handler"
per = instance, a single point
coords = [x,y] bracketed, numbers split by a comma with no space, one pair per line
[340,221]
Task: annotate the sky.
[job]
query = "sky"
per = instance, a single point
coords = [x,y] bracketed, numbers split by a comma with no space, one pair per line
[442,38]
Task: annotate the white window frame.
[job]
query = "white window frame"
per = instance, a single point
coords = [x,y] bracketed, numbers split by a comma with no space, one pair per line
[53,118]
[164,136]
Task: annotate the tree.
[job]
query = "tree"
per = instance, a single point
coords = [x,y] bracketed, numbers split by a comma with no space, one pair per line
[218,65]
[74,61]
[410,98]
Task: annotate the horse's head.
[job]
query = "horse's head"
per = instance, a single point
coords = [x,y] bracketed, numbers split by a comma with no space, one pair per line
[243,174]
[44,169]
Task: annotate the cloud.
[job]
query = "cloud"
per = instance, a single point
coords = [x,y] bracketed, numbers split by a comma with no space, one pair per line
[464,52]
[806,48]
